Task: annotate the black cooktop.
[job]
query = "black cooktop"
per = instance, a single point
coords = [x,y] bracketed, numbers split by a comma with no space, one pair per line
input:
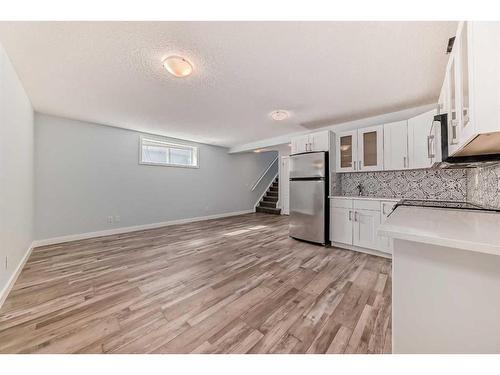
[445,204]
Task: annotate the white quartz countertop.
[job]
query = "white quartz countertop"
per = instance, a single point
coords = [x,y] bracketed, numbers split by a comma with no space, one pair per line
[365,198]
[476,231]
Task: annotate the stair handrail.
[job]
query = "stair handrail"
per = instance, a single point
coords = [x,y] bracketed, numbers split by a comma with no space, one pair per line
[265,172]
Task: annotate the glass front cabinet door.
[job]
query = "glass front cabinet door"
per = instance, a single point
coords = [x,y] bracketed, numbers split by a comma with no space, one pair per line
[371,148]
[452,75]
[467,130]
[346,146]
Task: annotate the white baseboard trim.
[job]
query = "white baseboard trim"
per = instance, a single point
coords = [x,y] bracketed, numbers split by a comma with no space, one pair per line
[110,232]
[362,250]
[8,287]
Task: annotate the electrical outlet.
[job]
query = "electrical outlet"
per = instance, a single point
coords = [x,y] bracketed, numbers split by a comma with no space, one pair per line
[110,219]
[117,218]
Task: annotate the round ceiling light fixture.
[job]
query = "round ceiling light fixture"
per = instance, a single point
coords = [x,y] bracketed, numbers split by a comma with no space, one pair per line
[279,115]
[178,66]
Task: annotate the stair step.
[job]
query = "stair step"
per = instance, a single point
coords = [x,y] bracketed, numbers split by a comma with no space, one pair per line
[267,210]
[272,194]
[270,199]
[268,204]
[272,188]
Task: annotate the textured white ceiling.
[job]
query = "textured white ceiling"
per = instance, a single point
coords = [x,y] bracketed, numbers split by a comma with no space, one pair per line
[322,72]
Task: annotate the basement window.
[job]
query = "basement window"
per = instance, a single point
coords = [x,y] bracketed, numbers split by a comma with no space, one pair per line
[154,151]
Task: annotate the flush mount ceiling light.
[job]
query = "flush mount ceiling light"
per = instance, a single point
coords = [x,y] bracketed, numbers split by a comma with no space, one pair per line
[279,115]
[178,66]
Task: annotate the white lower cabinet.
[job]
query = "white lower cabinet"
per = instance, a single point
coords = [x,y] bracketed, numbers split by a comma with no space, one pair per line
[341,225]
[386,208]
[365,228]
[356,221]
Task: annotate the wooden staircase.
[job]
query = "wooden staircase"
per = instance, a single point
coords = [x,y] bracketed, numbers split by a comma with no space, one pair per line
[269,201]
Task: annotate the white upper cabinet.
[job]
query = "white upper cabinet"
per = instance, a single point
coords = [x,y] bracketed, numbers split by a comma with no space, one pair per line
[452,105]
[319,141]
[466,129]
[396,145]
[423,143]
[300,144]
[443,96]
[471,90]
[371,148]
[360,150]
[407,144]
[483,86]
[347,152]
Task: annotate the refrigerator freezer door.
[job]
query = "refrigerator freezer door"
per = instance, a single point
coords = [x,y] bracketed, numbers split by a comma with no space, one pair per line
[307,165]
[307,210]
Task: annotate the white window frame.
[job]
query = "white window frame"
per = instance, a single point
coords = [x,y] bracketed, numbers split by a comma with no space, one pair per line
[166,142]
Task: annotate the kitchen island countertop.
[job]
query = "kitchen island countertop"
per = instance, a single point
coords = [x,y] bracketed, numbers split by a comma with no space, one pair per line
[476,231]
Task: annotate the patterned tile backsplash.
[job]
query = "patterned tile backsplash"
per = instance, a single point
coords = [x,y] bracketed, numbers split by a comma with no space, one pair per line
[483,186]
[443,184]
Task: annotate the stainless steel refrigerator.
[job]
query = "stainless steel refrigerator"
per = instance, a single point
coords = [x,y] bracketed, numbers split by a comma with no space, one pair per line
[309,216]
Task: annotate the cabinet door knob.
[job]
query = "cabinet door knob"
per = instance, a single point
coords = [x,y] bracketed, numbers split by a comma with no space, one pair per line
[350,215]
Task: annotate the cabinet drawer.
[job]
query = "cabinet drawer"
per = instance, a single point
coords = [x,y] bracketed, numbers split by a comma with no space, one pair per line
[365,204]
[341,203]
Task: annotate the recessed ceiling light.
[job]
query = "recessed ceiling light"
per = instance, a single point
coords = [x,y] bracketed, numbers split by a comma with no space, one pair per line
[279,115]
[178,66]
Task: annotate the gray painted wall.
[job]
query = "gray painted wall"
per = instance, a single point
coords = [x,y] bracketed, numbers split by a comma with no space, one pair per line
[16,171]
[86,172]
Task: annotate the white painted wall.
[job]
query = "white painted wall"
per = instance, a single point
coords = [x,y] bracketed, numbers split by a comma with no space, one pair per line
[86,172]
[16,173]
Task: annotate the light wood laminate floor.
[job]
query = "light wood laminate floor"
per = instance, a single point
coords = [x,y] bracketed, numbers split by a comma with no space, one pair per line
[232,285]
